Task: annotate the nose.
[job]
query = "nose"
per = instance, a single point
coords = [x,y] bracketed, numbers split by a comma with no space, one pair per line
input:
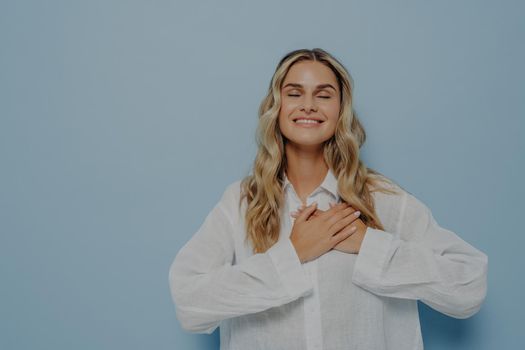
[309,105]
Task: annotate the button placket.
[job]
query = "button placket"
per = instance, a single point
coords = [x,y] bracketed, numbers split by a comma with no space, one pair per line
[311,303]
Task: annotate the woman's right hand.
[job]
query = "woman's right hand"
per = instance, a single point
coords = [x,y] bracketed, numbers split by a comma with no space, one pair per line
[312,237]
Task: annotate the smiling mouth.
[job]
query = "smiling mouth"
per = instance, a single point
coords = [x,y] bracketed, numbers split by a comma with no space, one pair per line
[307,121]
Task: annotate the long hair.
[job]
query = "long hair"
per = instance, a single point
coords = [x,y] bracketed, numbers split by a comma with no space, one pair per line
[263,189]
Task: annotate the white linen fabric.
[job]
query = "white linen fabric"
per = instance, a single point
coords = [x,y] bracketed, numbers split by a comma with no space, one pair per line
[337,301]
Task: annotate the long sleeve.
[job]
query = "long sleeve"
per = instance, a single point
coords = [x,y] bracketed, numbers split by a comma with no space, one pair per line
[206,285]
[423,261]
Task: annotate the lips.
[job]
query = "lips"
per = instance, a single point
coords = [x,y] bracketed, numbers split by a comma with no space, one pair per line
[303,120]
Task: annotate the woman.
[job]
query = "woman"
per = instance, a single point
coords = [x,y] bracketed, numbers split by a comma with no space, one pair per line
[314,250]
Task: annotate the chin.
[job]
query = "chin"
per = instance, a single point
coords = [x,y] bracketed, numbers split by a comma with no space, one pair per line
[307,142]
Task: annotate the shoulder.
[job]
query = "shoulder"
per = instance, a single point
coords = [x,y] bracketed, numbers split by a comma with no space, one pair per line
[390,200]
[230,199]
[389,192]
[386,191]
[232,192]
[404,210]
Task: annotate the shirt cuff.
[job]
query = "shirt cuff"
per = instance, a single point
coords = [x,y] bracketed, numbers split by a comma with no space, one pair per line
[371,257]
[286,261]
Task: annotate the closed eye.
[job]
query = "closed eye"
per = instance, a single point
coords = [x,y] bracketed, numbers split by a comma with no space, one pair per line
[317,96]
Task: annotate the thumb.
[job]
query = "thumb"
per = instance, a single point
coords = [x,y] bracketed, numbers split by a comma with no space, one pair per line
[305,214]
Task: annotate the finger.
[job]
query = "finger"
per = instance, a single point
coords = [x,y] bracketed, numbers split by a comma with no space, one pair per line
[305,214]
[340,215]
[315,214]
[344,222]
[298,212]
[334,209]
[300,209]
[343,234]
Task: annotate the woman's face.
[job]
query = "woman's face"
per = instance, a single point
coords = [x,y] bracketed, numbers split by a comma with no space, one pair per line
[310,104]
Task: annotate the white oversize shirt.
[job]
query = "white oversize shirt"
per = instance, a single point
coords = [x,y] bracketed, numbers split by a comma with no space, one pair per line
[337,301]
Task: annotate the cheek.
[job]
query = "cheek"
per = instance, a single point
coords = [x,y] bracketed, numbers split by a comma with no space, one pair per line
[332,112]
[287,106]
[281,121]
[285,110]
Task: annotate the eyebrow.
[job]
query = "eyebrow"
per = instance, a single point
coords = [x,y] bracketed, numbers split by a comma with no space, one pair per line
[319,87]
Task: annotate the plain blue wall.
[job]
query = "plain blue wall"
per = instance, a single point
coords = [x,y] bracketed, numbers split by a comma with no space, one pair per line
[121,123]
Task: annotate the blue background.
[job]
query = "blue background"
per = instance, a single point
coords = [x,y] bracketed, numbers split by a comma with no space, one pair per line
[122,122]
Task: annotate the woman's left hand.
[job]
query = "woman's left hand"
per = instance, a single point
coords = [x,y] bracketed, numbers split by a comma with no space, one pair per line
[350,245]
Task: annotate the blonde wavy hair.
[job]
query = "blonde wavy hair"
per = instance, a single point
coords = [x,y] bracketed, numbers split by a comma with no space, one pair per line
[263,189]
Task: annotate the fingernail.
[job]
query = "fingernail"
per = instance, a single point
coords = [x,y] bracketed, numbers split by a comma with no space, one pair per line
[357,213]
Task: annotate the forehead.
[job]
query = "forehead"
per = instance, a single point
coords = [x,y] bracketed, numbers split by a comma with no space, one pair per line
[310,73]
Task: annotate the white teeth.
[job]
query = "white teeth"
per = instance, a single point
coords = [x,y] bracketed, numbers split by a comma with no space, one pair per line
[307,121]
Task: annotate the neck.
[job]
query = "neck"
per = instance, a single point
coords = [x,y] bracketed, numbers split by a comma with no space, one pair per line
[305,169]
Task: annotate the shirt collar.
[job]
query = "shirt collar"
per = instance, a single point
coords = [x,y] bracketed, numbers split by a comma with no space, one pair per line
[329,183]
